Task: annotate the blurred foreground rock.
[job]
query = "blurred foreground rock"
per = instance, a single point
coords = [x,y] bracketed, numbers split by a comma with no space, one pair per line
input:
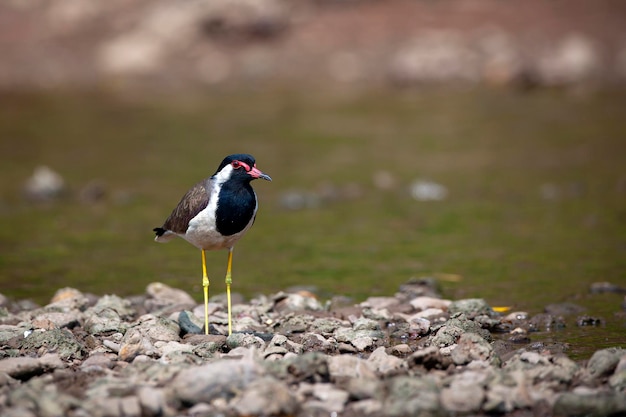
[143,356]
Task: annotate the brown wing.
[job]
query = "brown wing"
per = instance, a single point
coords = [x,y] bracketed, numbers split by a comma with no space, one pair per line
[192,203]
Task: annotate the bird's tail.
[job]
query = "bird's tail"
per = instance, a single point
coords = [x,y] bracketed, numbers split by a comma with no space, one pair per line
[162,235]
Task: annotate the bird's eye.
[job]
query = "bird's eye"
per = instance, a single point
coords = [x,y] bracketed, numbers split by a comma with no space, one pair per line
[236,164]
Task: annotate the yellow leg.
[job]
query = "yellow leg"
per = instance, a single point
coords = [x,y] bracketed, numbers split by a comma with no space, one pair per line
[205,286]
[229,280]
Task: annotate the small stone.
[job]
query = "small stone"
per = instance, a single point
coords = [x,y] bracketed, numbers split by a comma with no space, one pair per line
[367,407]
[545,322]
[423,303]
[470,347]
[362,343]
[165,295]
[44,185]
[604,287]
[244,340]
[152,401]
[24,367]
[464,394]
[129,406]
[221,379]
[56,320]
[589,321]
[401,349]
[347,366]
[385,364]
[603,362]
[471,307]
[409,396]
[284,302]
[429,358]
[61,341]
[327,397]
[596,404]
[97,361]
[266,396]
[135,342]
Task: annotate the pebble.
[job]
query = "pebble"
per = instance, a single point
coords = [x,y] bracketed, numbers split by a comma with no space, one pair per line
[85,356]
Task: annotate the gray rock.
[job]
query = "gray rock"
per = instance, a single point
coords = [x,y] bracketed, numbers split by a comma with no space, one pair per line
[158,328]
[295,324]
[25,367]
[545,322]
[174,352]
[221,379]
[266,396]
[424,302]
[363,343]
[108,315]
[60,341]
[56,319]
[464,394]
[310,367]
[367,407]
[318,343]
[362,328]
[363,388]
[471,307]
[284,302]
[8,332]
[152,401]
[348,366]
[429,358]
[419,324]
[68,299]
[379,303]
[206,346]
[97,361]
[41,396]
[410,396]
[592,404]
[558,369]
[163,296]
[385,364]
[189,323]
[325,326]
[471,347]
[458,325]
[244,340]
[327,397]
[603,362]
[44,185]
[507,391]
[134,343]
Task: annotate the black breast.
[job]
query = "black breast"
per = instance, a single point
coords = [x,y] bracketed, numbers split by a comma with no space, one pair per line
[235,208]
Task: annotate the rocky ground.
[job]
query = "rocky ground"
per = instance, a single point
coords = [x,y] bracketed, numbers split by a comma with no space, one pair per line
[170,43]
[413,354]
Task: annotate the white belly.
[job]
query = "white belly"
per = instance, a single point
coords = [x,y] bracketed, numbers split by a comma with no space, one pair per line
[203,234]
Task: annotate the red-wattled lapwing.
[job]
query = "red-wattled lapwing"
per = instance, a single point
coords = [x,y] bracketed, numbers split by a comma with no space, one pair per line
[214,214]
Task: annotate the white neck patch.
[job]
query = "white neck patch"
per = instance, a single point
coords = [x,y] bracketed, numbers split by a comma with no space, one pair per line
[224,174]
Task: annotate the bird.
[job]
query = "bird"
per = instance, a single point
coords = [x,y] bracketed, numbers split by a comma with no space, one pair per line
[214,214]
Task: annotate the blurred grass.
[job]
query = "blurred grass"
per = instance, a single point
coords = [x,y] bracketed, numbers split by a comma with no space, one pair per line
[493,150]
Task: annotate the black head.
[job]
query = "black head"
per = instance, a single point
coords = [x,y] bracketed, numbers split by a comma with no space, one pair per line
[241,166]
